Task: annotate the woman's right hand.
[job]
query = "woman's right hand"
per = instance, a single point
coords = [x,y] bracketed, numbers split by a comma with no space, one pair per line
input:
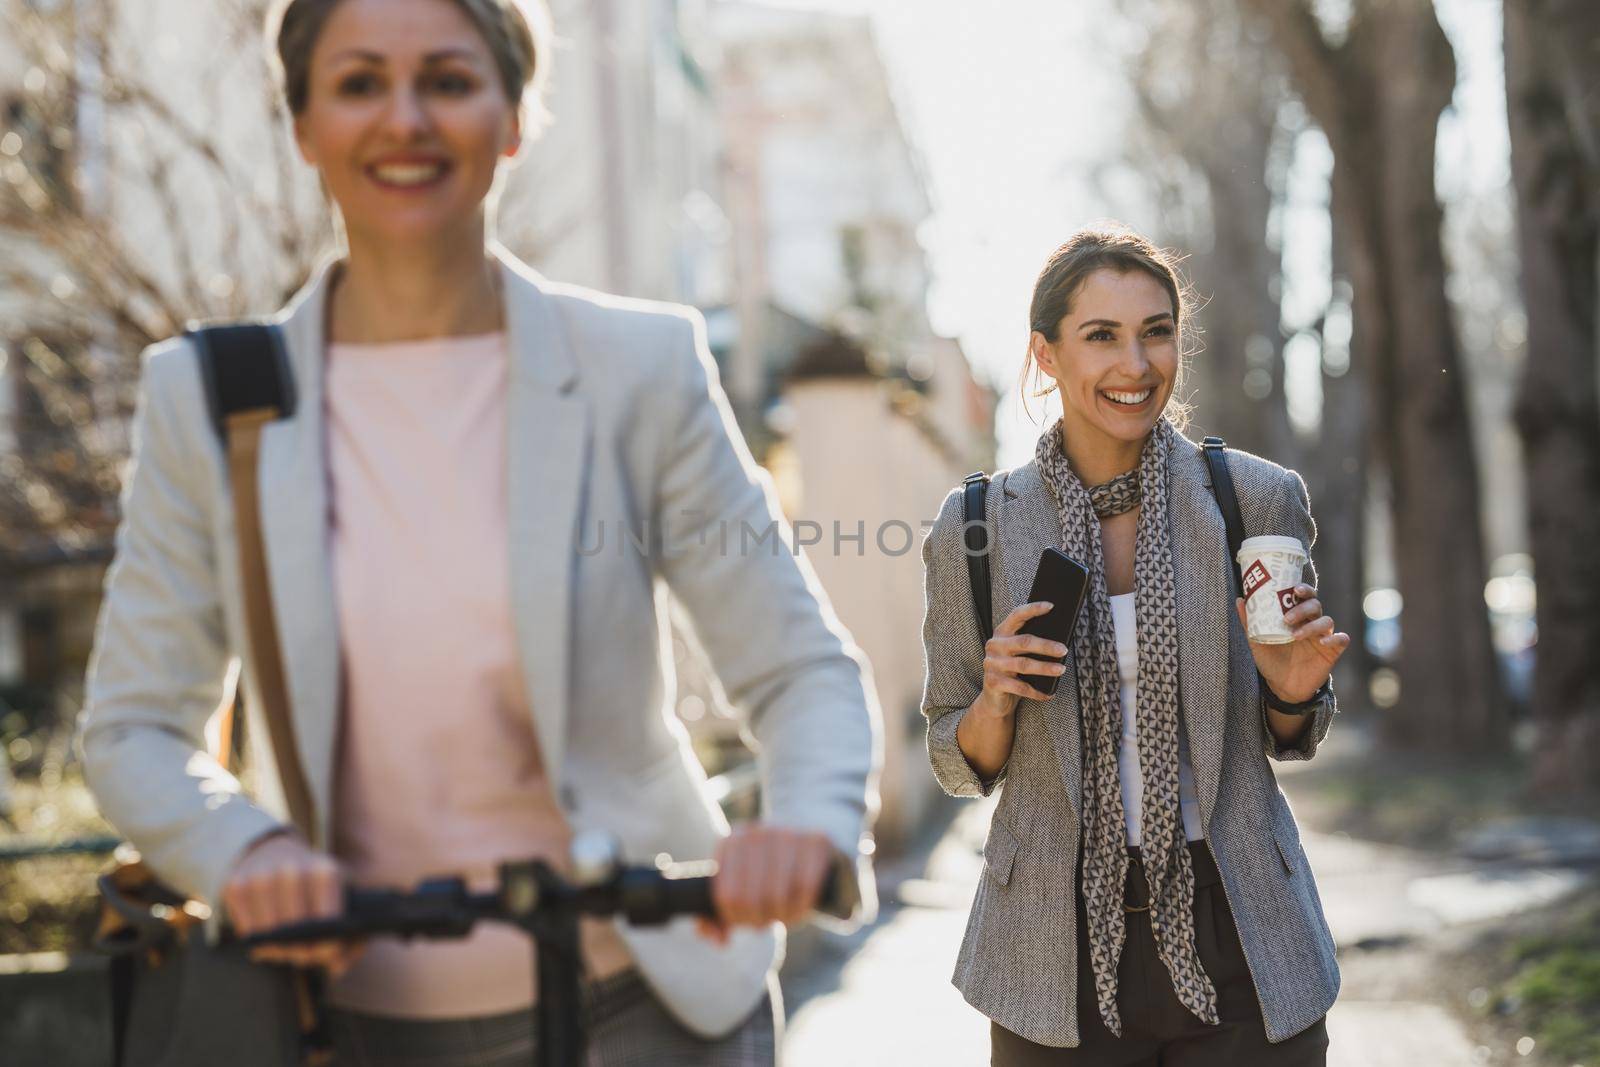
[1004,662]
[281,880]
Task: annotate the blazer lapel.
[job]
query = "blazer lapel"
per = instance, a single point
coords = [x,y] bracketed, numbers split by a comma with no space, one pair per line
[1027,525]
[294,520]
[548,440]
[546,460]
[1205,609]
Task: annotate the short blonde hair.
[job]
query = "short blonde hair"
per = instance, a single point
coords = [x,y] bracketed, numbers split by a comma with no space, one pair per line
[518,33]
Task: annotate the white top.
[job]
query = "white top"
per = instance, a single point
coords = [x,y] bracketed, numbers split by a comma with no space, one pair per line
[1122,618]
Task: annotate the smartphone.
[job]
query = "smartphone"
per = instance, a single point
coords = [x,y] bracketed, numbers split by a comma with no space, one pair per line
[1062,581]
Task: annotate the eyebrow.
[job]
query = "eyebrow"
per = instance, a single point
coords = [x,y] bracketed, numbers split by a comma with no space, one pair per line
[431,57]
[1114,324]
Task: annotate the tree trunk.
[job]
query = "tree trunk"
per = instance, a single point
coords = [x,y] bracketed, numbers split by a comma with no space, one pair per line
[1243,356]
[1222,125]
[1379,96]
[1336,474]
[1552,86]
[1450,682]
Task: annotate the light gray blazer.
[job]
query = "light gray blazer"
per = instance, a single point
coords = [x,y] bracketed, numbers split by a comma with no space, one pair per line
[615,417]
[1018,962]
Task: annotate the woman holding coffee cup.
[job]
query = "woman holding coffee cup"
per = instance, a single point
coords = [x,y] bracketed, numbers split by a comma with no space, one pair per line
[1144,895]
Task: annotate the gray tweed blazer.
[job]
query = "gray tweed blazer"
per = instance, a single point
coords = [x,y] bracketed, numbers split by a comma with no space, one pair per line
[1018,962]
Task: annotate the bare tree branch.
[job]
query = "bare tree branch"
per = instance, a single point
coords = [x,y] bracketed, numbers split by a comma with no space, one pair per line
[89,294]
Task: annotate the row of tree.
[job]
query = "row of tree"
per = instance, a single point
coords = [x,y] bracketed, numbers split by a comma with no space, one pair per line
[1213,84]
[1553,94]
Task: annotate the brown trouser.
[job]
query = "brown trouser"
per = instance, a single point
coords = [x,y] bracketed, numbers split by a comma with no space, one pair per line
[1157,1029]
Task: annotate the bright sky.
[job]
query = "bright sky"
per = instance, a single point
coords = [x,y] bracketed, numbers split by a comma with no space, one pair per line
[1011,105]
[1015,103]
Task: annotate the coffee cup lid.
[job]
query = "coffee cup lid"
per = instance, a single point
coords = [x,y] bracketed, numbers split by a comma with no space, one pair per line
[1255,545]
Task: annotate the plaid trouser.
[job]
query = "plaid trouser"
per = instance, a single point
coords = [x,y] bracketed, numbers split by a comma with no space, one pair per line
[627,1027]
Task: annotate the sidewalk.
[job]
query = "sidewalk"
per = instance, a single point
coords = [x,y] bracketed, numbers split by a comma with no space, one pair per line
[884,995]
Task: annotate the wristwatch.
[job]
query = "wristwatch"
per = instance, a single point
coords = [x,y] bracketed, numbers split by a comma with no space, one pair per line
[1284,707]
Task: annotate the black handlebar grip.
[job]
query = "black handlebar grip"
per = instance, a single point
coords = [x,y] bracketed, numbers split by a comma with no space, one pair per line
[688,896]
[647,897]
[826,902]
[366,911]
[439,908]
[300,933]
[370,901]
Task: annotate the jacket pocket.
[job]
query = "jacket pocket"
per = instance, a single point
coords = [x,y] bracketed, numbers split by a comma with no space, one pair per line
[1288,851]
[1000,852]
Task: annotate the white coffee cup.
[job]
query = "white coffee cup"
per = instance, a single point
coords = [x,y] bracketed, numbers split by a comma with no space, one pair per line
[1272,567]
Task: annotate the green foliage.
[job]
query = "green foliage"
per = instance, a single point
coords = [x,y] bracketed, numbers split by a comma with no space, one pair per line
[49,903]
[1555,989]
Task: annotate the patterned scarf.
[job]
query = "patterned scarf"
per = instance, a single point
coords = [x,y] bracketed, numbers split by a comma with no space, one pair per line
[1164,849]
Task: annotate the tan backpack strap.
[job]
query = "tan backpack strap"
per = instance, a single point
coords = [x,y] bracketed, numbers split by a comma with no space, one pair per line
[228,710]
[243,431]
[230,728]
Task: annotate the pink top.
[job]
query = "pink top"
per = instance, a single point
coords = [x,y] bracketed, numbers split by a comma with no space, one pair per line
[439,767]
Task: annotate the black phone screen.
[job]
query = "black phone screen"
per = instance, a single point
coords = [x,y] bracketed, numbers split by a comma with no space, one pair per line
[1062,581]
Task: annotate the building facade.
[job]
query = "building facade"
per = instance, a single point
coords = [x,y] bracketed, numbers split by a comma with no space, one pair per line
[871,416]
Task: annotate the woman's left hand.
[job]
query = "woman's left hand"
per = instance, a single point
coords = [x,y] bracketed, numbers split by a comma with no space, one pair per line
[1296,670]
[766,874]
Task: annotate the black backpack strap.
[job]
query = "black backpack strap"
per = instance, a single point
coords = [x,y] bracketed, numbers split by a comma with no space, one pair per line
[1228,501]
[1233,521]
[975,531]
[244,367]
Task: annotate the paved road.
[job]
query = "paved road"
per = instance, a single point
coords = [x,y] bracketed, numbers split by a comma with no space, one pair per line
[884,996]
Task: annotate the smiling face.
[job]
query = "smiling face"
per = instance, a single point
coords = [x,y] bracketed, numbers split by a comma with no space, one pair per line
[1116,358]
[406,118]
